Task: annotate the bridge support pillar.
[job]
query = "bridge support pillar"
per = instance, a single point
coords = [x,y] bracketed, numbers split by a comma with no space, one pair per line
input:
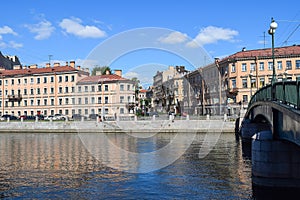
[274,163]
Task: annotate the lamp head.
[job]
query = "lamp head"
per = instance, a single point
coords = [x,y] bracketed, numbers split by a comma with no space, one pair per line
[273,25]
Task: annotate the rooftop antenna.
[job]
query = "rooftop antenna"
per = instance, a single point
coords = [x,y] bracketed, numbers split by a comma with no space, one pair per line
[264,36]
[50,56]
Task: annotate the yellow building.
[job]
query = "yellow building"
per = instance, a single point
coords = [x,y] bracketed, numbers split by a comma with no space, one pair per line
[59,89]
[248,70]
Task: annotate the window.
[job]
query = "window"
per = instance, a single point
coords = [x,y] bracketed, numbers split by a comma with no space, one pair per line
[66,78]
[6,82]
[106,100]
[93,88]
[66,90]
[38,102]
[31,102]
[105,87]
[288,64]
[297,64]
[86,100]
[121,87]
[45,90]
[261,66]
[52,102]
[72,78]
[233,83]
[245,98]
[233,68]
[12,81]
[45,79]
[121,99]
[19,81]
[31,80]
[99,100]
[106,111]
[79,88]
[45,102]
[31,91]
[279,65]
[25,81]
[60,102]
[261,82]
[51,79]
[121,110]
[86,88]
[60,90]
[38,91]
[93,100]
[73,101]
[99,88]
[79,101]
[252,67]
[66,112]
[38,80]
[270,65]
[244,81]
[60,79]
[244,67]
[52,90]
[25,102]
[25,91]
[128,87]
[86,111]
[67,101]
[72,89]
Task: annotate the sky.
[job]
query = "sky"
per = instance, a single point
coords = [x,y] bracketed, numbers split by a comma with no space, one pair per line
[141,37]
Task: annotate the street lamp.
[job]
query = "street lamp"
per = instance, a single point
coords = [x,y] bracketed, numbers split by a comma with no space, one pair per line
[271,31]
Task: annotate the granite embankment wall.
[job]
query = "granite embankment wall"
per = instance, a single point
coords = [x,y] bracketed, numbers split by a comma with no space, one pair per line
[118,126]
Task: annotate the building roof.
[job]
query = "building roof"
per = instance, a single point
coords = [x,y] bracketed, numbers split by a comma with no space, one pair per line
[32,71]
[101,78]
[143,91]
[279,51]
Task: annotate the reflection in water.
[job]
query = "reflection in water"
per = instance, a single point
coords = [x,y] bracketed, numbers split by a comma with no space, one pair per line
[59,166]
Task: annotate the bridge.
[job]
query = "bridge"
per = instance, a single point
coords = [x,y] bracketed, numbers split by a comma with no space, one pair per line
[272,122]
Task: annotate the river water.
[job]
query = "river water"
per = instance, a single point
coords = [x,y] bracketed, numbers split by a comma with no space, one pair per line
[61,166]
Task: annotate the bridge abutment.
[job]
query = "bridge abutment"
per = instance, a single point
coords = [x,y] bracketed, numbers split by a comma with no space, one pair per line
[275,163]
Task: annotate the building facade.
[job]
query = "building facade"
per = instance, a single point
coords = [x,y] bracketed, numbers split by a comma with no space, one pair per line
[106,95]
[249,70]
[60,89]
[168,89]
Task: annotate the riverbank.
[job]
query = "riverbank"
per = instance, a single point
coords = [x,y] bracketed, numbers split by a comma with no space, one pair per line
[161,126]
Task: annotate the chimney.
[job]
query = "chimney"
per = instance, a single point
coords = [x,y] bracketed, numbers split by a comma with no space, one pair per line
[107,72]
[48,65]
[78,67]
[33,66]
[118,72]
[67,63]
[57,64]
[98,73]
[72,63]
[17,67]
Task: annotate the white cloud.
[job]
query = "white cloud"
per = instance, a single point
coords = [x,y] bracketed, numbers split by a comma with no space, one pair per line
[174,38]
[7,30]
[212,34]
[74,26]
[43,29]
[131,75]
[11,44]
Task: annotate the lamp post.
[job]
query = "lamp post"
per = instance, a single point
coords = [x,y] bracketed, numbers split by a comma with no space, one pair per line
[271,31]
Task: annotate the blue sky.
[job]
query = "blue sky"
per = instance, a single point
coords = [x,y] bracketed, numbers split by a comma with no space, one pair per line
[71,30]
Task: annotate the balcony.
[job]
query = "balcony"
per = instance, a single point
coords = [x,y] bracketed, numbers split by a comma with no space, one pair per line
[14,98]
[231,93]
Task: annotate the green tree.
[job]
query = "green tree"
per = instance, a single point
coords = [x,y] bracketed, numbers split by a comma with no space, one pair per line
[102,69]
